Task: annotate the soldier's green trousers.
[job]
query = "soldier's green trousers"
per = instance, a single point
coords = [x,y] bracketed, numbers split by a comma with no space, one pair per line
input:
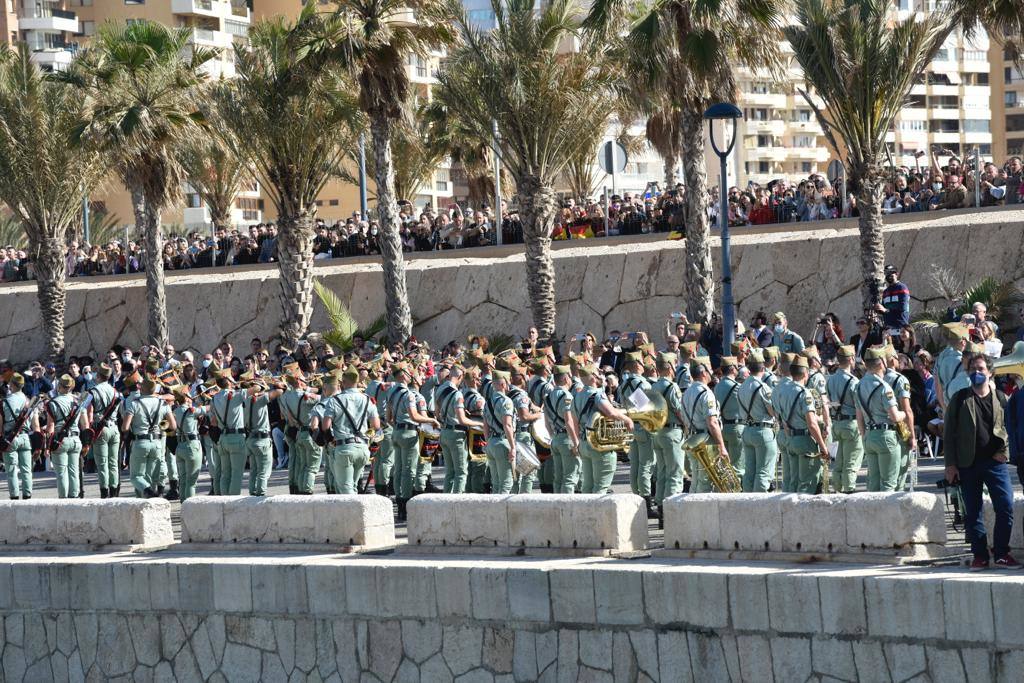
[546,475]
[423,469]
[476,479]
[212,460]
[901,481]
[780,469]
[804,451]
[293,463]
[641,462]
[598,469]
[498,465]
[261,460]
[760,453]
[18,463]
[454,449]
[348,461]
[883,457]
[405,446]
[384,463]
[231,463]
[105,447]
[65,465]
[167,466]
[849,455]
[668,454]
[733,437]
[306,455]
[566,465]
[521,483]
[189,457]
[142,461]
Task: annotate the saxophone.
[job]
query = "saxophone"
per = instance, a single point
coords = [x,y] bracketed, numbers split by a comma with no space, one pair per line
[721,475]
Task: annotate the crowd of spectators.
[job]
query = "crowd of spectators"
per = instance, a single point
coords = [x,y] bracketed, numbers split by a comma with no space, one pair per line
[948,186]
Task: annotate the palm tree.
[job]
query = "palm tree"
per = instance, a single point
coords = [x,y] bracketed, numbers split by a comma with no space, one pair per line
[293,121]
[862,63]
[546,103]
[665,136]
[372,39]
[683,53]
[42,177]
[139,84]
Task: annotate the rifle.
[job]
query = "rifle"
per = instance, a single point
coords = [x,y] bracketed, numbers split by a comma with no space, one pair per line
[19,424]
[68,423]
[89,435]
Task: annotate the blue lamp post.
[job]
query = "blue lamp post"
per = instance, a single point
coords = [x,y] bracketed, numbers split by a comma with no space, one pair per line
[724,111]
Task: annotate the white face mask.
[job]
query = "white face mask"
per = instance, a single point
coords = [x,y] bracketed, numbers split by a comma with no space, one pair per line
[779,329]
[206,362]
[937,187]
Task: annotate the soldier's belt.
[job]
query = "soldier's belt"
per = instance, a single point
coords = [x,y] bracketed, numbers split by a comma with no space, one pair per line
[457,428]
[258,435]
[189,437]
[732,422]
[347,442]
[881,428]
[405,425]
[799,432]
[760,423]
[231,430]
[145,437]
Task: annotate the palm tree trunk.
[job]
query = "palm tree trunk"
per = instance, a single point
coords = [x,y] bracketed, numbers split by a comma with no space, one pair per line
[537,208]
[295,264]
[51,272]
[396,297]
[147,222]
[872,245]
[699,273]
[670,171]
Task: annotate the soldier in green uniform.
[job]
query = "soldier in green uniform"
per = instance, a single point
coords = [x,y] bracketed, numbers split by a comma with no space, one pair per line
[687,352]
[64,455]
[189,452]
[565,440]
[142,418]
[526,414]
[842,396]
[450,408]
[668,441]
[771,366]
[700,409]
[500,432]
[901,389]
[328,388]
[384,461]
[258,446]
[423,465]
[476,477]
[877,415]
[805,444]
[641,450]
[17,450]
[304,454]
[727,393]
[537,388]
[786,339]
[106,441]
[405,414]
[228,415]
[760,449]
[790,465]
[598,466]
[350,417]
[949,363]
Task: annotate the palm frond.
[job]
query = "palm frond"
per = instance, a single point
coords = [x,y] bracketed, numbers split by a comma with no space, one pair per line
[343,325]
[999,297]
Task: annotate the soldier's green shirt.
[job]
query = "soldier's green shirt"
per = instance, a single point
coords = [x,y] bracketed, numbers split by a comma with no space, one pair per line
[147,412]
[447,401]
[874,398]
[473,401]
[126,404]
[427,391]
[630,383]
[795,401]
[778,392]
[791,342]
[295,405]
[727,393]
[496,409]
[839,382]
[11,408]
[557,405]
[683,378]
[900,385]
[227,406]
[961,381]
[400,399]
[817,381]
[257,417]
[586,403]
[771,379]
[673,396]
[755,399]
[102,395]
[699,404]
[188,419]
[948,365]
[538,388]
[351,412]
[60,409]
[377,391]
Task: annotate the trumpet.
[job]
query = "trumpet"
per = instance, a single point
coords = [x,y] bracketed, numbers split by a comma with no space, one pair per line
[606,434]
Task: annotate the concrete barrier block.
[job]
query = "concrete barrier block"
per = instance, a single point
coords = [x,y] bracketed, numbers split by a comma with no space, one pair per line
[1017,531]
[586,521]
[809,523]
[542,520]
[691,521]
[246,519]
[481,519]
[130,522]
[894,520]
[431,520]
[750,521]
[202,519]
[361,520]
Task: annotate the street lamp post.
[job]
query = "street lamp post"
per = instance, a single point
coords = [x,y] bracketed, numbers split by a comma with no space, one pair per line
[362,177]
[723,112]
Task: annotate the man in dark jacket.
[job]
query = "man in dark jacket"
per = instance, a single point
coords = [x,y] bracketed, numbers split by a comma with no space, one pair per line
[976,453]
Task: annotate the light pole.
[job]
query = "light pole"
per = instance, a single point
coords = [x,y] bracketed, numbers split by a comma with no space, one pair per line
[723,111]
[362,177]
[496,145]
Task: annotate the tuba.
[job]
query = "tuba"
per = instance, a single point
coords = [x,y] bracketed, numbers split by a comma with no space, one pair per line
[721,475]
[606,434]
[1012,364]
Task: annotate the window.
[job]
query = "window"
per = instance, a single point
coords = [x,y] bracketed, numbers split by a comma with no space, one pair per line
[760,88]
[764,141]
[333,202]
[944,126]
[441,179]
[975,56]
[1015,123]
[805,167]
[250,208]
[916,101]
[763,167]
[1010,100]
[913,125]
[757,114]
[985,149]
[88,28]
[976,126]
[944,102]
[82,3]
[1013,75]
[803,141]
[193,201]
[319,202]
[946,54]
[801,115]
[236,29]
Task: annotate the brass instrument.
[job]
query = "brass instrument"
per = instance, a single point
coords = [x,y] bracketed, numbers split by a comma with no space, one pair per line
[903,430]
[826,473]
[720,473]
[1012,364]
[606,434]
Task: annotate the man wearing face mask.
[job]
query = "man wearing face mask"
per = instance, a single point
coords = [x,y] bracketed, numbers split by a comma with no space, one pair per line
[975,441]
[895,303]
[787,340]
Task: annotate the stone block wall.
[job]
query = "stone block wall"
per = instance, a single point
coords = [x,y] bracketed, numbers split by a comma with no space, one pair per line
[279,618]
[623,283]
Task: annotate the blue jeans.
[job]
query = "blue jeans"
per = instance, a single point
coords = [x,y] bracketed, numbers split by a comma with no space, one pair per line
[995,476]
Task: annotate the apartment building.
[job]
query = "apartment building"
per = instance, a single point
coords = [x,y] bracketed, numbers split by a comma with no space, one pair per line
[1007,105]
[46,26]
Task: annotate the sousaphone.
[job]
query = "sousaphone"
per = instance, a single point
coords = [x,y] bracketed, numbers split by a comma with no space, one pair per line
[1012,364]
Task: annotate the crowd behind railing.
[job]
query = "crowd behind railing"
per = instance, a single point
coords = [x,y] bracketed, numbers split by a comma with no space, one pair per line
[953,185]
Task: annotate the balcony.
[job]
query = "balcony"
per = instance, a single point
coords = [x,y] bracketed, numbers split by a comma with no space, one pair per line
[766,153]
[769,127]
[753,99]
[204,8]
[210,38]
[49,20]
[809,127]
[53,59]
[819,154]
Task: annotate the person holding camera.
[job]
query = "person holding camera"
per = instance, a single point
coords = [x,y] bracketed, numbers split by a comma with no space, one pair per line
[976,457]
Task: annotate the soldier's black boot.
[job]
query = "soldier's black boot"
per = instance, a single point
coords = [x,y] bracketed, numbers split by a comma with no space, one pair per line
[292,489]
[401,509]
[115,492]
[159,489]
[430,487]
[652,510]
[26,496]
[381,490]
[16,497]
[150,493]
[104,493]
[172,493]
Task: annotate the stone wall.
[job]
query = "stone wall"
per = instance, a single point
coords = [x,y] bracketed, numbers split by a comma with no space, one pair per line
[297,618]
[618,283]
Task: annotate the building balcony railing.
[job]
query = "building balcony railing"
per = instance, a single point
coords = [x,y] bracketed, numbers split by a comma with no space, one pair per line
[49,20]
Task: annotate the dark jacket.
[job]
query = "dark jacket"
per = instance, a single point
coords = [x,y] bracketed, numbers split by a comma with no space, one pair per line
[874,339]
[959,431]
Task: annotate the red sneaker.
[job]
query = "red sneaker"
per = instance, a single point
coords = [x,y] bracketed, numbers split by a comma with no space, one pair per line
[1007,562]
[978,564]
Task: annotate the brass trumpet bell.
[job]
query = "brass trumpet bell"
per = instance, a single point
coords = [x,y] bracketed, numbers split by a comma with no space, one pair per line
[1012,364]
[606,434]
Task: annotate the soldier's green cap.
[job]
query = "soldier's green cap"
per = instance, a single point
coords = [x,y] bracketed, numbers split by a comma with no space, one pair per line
[562,370]
[329,380]
[539,364]
[667,358]
[700,362]
[756,356]
[737,347]
[66,382]
[351,373]
[891,351]
[635,357]
[956,331]
[152,367]
[728,362]
[811,352]
[585,370]
[787,358]
[799,362]
[502,374]
[17,380]
[846,351]
[772,352]
[689,347]
[875,353]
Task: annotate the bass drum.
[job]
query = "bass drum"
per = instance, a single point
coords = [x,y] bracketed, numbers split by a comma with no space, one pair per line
[430,442]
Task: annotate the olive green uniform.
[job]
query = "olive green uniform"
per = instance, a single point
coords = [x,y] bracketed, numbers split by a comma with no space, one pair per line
[106,442]
[842,395]
[228,408]
[404,438]
[538,389]
[901,389]
[384,461]
[523,483]
[790,465]
[147,440]
[881,443]
[699,404]
[727,393]
[641,450]
[351,412]
[668,442]
[760,449]
[64,455]
[796,402]
[454,436]
[497,407]
[477,471]
[557,405]
[189,452]
[303,452]
[18,455]
[258,447]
